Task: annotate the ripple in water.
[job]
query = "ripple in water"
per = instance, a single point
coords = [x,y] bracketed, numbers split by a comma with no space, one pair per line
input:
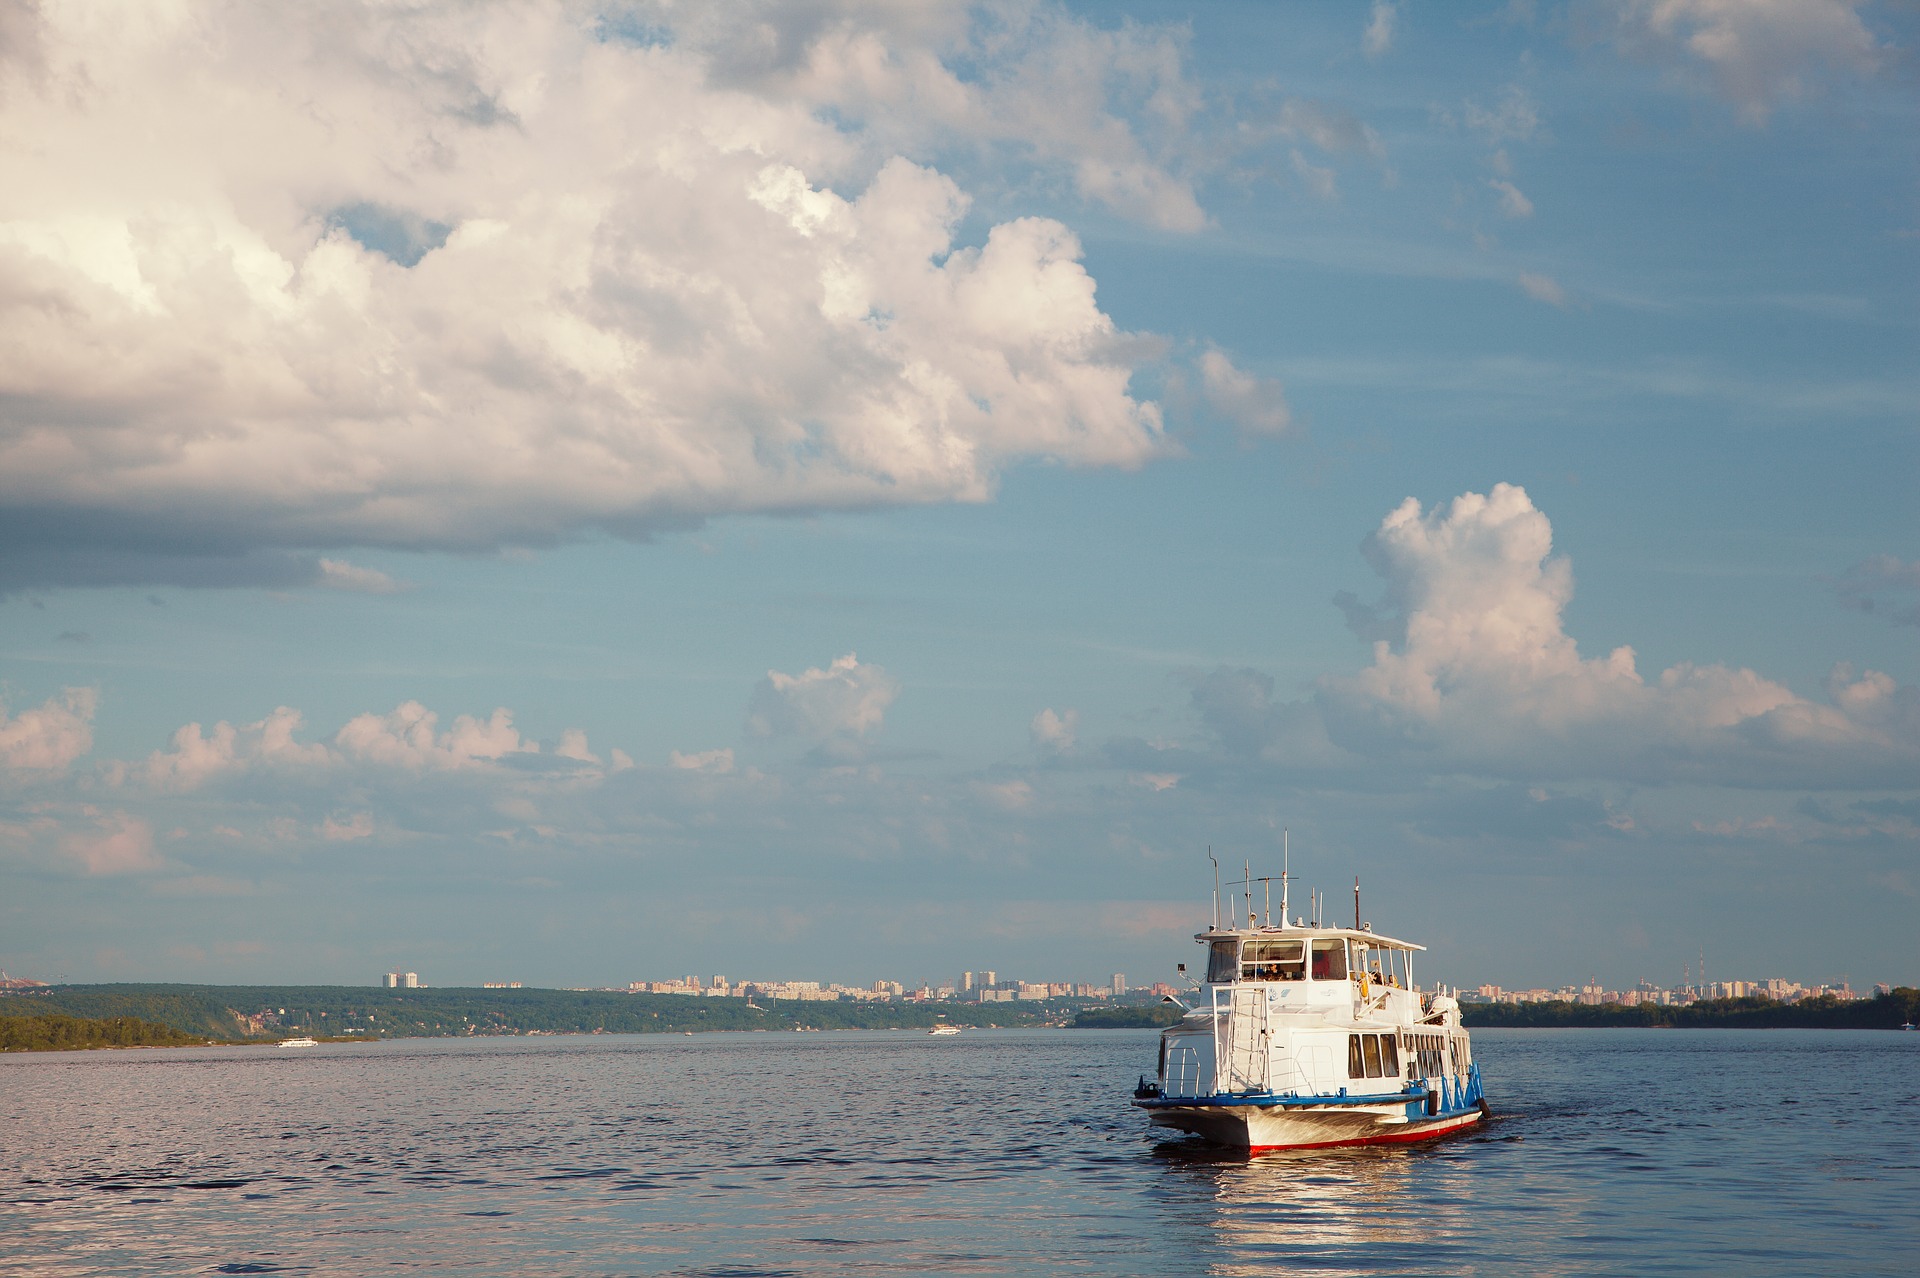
[1010,1152]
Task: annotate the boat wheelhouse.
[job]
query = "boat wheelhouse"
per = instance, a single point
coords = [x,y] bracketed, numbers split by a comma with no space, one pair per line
[1312,1037]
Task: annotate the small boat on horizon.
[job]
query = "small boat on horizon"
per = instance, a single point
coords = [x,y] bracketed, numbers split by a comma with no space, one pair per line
[302,1041]
[1312,1037]
[944,1030]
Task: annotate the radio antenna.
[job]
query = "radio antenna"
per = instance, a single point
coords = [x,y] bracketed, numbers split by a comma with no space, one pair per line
[1246,870]
[1286,863]
[1216,887]
[1356,903]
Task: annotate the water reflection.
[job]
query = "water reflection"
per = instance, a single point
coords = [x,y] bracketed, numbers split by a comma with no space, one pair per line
[1333,1211]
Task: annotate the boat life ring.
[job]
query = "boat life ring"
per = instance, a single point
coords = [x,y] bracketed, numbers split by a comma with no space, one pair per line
[1365,989]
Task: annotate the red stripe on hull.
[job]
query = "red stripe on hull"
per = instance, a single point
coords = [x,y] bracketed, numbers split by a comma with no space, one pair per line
[1395,1138]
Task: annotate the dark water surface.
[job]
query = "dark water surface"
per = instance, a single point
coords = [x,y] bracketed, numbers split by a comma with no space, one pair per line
[999,1152]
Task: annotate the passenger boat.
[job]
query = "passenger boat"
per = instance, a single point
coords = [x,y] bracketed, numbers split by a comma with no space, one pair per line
[944,1030]
[1311,1037]
[302,1041]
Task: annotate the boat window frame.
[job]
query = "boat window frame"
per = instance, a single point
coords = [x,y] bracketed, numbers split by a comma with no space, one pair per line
[1258,961]
[1370,1049]
[1223,961]
[1389,1056]
[1356,1064]
[1333,945]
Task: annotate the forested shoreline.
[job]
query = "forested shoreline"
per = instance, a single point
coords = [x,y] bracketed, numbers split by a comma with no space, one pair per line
[1883,1011]
[70,1017]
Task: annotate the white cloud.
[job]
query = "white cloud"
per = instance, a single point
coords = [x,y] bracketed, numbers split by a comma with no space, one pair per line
[718,761]
[197,756]
[468,276]
[1543,288]
[1257,405]
[846,700]
[1758,53]
[1379,34]
[1513,202]
[337,574]
[407,738]
[115,843]
[573,745]
[1477,673]
[1054,731]
[46,739]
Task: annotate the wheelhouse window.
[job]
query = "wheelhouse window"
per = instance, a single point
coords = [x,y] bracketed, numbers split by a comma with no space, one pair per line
[1273,961]
[1356,1063]
[1389,1056]
[1330,960]
[1223,962]
[1370,1045]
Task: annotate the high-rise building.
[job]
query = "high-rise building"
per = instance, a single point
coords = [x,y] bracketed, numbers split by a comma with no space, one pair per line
[966,982]
[1119,982]
[409,980]
[990,978]
[390,980]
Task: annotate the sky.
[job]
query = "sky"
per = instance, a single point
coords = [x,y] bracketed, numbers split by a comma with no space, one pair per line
[576,493]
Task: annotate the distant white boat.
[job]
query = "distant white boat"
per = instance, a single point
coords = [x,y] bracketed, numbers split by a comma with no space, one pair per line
[300,1042]
[944,1030]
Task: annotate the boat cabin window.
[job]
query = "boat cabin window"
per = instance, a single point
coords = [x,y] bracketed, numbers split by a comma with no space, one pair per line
[1330,960]
[1223,962]
[1373,1056]
[1273,961]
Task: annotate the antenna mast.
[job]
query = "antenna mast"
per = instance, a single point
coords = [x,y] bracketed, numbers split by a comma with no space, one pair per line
[1286,864]
[1246,873]
[1356,903]
[1216,887]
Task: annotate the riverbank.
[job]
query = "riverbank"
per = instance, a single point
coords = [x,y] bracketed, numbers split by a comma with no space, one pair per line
[1884,1012]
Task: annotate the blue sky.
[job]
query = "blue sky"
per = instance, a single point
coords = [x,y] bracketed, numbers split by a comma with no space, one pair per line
[570,493]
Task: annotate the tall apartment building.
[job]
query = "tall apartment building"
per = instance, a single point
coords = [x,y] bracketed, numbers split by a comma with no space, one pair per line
[1119,985]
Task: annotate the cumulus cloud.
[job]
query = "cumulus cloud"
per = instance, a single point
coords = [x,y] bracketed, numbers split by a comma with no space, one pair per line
[407,740]
[719,762]
[1054,732]
[274,281]
[1756,53]
[196,756]
[1477,673]
[1378,37]
[1257,405]
[408,737]
[1883,586]
[845,701]
[44,741]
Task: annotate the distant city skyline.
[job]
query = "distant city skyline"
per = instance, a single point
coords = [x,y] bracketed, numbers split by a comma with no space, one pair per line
[547,492]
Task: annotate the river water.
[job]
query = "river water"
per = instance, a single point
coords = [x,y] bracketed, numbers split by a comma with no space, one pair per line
[998,1152]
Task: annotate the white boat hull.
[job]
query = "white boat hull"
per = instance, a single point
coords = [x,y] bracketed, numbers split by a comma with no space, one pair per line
[1265,1129]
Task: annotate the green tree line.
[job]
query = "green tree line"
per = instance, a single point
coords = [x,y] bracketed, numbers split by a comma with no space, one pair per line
[54,1032]
[271,1011]
[1883,1011]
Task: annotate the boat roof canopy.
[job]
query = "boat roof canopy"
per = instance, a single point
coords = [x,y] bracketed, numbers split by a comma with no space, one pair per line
[1372,940]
